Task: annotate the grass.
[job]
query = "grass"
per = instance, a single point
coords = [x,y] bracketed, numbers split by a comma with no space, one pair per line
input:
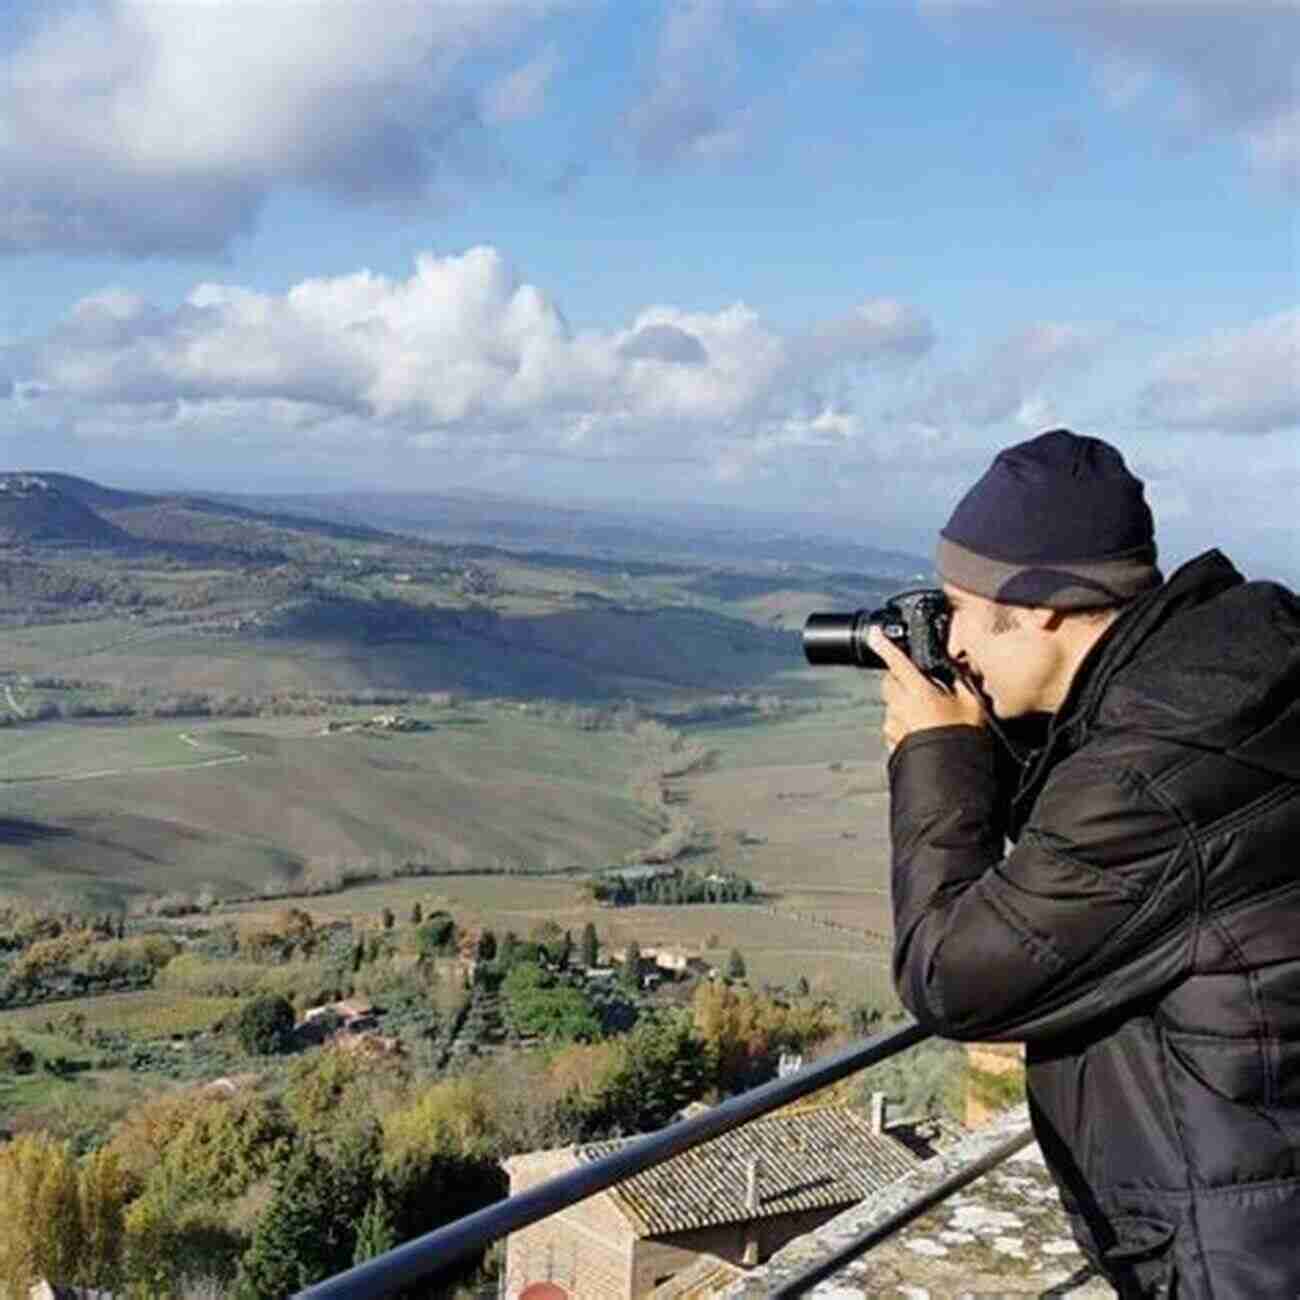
[149,1013]
[485,786]
[72,751]
[800,805]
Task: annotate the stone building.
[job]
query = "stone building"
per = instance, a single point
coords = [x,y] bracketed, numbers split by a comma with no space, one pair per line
[722,1207]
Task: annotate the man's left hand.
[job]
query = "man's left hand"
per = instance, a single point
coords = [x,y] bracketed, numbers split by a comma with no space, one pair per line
[915,703]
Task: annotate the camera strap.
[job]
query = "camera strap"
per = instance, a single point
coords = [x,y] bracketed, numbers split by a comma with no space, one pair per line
[1021,759]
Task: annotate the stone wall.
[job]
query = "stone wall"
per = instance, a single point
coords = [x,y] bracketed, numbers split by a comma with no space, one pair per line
[1001,1237]
[586,1249]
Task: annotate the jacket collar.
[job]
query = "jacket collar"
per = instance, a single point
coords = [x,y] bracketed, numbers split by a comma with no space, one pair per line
[1195,582]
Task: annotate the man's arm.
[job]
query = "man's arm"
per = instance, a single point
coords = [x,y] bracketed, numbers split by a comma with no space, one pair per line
[1091,909]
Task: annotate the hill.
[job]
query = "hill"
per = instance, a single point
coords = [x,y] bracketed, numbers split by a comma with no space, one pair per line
[109,813]
[170,613]
[36,510]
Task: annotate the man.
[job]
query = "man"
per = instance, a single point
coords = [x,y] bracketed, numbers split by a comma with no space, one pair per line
[1141,933]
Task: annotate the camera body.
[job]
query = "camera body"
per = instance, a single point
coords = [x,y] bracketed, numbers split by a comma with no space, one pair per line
[915,621]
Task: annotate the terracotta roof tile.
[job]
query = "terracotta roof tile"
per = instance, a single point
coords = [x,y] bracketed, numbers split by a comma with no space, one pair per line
[810,1159]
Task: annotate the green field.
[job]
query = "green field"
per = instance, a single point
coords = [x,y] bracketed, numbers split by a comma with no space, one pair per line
[146,1014]
[801,806]
[70,752]
[126,810]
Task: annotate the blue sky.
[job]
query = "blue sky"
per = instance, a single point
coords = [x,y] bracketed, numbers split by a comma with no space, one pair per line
[804,256]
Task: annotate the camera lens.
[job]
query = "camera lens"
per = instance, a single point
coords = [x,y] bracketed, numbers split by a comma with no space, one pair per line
[839,640]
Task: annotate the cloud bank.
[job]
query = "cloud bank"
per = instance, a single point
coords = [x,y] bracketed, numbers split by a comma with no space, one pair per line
[134,127]
[466,354]
[139,128]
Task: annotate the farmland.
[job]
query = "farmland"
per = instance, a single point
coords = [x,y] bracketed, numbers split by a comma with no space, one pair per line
[185,687]
[778,948]
[126,810]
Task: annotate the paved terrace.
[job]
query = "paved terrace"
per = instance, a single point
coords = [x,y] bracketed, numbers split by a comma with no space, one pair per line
[1002,1236]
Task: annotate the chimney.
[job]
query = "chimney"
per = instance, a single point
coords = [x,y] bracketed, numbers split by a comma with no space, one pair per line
[877,1112]
[753,1172]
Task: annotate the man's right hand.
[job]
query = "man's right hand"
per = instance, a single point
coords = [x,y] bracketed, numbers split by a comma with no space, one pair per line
[913,702]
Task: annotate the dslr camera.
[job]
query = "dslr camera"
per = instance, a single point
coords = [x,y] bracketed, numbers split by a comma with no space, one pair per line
[915,621]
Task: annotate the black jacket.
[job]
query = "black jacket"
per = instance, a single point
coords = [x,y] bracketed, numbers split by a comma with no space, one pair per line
[1142,936]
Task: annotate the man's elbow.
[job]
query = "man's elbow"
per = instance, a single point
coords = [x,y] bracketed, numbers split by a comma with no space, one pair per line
[951,1005]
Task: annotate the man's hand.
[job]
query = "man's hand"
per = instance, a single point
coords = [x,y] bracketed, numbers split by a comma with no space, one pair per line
[913,702]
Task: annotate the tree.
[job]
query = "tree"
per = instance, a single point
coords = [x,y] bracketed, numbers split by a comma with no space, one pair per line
[664,1066]
[375,1233]
[14,1057]
[590,945]
[746,1031]
[735,965]
[387,917]
[631,972]
[550,939]
[417,913]
[537,1004]
[309,1231]
[265,1025]
[40,1229]
[288,1250]
[487,946]
[437,935]
[102,1193]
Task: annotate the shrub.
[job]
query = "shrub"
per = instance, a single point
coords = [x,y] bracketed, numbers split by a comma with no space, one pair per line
[14,1057]
[437,934]
[265,1025]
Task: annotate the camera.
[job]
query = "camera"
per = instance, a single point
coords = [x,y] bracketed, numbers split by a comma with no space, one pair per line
[915,621]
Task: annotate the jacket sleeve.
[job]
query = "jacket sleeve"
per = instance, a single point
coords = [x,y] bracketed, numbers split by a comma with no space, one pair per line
[1093,907]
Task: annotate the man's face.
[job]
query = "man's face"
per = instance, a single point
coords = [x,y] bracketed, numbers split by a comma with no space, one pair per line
[1003,648]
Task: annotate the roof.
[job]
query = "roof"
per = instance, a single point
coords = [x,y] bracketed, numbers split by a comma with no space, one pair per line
[811,1159]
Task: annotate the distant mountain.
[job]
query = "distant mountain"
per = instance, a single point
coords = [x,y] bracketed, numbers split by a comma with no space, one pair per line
[37,508]
[50,508]
[698,534]
[94,495]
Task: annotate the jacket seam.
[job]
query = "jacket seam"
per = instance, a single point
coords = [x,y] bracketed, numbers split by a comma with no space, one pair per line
[1115,1193]
[1239,817]
[1039,945]
[1099,874]
[1198,917]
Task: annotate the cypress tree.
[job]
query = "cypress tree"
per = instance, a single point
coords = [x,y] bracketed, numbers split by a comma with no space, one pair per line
[590,945]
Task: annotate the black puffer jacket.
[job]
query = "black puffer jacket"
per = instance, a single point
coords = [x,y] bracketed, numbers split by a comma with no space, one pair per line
[1142,937]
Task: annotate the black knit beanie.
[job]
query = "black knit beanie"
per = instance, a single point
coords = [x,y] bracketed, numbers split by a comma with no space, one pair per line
[1057,521]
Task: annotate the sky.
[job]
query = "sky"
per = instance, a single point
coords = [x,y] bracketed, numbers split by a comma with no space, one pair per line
[814,257]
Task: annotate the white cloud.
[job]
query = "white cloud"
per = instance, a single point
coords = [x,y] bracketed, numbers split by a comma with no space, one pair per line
[1021,379]
[521,93]
[1244,381]
[877,327]
[141,127]
[701,101]
[460,352]
[1233,63]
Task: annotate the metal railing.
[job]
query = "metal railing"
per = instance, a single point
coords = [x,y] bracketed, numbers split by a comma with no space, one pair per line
[428,1255]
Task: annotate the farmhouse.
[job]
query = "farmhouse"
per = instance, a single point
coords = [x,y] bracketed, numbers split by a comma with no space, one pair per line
[354,1015]
[723,1206]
